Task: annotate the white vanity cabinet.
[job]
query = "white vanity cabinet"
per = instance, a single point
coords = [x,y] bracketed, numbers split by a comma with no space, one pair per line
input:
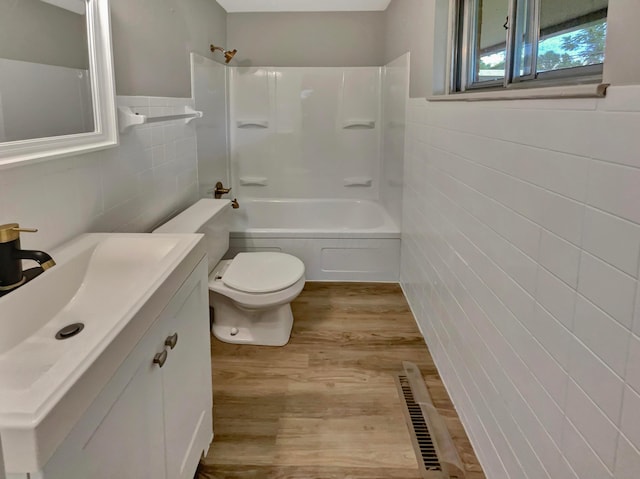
[152,419]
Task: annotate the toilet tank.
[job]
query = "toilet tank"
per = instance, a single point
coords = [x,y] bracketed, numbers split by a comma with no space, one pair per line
[208,216]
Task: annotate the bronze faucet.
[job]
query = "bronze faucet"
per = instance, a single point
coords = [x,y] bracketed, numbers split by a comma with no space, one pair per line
[220,190]
[11,256]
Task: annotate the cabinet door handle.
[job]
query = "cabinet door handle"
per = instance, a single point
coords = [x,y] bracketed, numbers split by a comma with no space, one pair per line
[160,358]
[171,341]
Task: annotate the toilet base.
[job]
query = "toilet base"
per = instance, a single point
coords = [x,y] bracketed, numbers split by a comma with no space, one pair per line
[262,327]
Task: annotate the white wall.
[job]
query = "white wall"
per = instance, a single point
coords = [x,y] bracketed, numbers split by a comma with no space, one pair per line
[210,92]
[395,92]
[521,245]
[407,29]
[152,40]
[131,188]
[307,39]
[620,67]
[304,151]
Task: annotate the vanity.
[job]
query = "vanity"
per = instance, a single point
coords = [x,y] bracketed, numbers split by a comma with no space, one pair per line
[127,394]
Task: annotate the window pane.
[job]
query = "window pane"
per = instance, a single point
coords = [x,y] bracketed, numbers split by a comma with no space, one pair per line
[526,38]
[490,40]
[572,34]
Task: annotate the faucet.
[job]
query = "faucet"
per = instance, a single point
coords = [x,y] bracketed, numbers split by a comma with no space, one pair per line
[220,190]
[11,274]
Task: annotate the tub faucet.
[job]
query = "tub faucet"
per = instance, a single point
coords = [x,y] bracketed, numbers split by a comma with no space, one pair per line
[11,274]
[220,190]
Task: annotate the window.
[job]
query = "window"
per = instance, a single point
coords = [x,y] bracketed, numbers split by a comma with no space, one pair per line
[520,43]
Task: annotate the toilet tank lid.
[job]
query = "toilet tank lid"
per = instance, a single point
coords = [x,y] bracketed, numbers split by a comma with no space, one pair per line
[193,218]
[263,272]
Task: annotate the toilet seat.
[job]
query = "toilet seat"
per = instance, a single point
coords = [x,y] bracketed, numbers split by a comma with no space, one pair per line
[263,272]
[255,301]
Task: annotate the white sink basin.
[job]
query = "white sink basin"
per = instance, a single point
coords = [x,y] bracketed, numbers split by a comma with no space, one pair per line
[116,285]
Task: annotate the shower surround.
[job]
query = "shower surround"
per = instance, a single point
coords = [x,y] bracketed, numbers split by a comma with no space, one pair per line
[316,143]
[305,132]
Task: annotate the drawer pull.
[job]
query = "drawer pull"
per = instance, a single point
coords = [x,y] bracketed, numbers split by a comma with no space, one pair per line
[171,341]
[160,358]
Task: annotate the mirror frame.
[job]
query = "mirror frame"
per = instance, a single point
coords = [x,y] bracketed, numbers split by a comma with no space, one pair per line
[105,135]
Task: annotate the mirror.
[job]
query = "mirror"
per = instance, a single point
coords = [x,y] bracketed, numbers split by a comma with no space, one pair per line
[56,79]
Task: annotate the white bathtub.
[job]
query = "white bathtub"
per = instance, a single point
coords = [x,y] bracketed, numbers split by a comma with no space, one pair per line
[338,240]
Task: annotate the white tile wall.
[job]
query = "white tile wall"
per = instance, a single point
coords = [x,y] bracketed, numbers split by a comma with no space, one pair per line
[628,460]
[520,251]
[131,188]
[630,419]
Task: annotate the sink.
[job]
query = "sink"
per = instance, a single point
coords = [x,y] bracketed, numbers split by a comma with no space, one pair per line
[114,284]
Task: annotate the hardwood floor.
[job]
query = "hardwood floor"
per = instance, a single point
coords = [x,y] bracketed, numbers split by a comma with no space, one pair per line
[326,405]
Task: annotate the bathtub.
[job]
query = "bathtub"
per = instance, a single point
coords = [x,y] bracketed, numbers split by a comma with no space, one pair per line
[338,240]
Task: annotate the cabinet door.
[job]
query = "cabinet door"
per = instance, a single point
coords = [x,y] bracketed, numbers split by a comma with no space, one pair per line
[129,443]
[186,379]
[121,436]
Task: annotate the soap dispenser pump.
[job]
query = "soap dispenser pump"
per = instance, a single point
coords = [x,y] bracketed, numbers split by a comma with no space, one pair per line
[11,274]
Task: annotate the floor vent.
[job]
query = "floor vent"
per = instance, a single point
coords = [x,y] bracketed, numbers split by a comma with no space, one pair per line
[434,448]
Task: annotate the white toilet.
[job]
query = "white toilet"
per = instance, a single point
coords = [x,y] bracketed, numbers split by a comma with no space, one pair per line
[250,294]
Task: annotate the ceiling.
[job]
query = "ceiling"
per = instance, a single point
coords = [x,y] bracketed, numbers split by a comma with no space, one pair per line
[234,6]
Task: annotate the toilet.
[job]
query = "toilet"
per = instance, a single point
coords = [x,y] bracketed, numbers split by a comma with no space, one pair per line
[251,294]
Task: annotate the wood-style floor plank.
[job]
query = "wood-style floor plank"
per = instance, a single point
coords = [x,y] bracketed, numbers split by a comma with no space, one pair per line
[325,406]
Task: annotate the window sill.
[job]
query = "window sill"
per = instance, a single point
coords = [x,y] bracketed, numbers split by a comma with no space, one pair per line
[569,91]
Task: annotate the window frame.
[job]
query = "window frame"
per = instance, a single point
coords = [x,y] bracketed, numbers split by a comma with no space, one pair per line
[464,26]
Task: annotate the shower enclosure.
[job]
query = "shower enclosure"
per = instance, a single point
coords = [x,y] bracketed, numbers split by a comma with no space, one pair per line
[314,156]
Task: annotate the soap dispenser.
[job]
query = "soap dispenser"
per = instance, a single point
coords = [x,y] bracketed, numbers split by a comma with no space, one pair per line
[11,274]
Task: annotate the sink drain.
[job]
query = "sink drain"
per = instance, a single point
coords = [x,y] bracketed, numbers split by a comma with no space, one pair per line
[69,331]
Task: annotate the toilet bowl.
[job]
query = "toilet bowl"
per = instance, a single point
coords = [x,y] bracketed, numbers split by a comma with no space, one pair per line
[251,297]
[250,294]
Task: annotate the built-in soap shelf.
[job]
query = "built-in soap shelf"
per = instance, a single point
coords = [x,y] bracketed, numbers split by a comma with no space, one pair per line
[254,181]
[252,124]
[357,181]
[359,124]
[127,118]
